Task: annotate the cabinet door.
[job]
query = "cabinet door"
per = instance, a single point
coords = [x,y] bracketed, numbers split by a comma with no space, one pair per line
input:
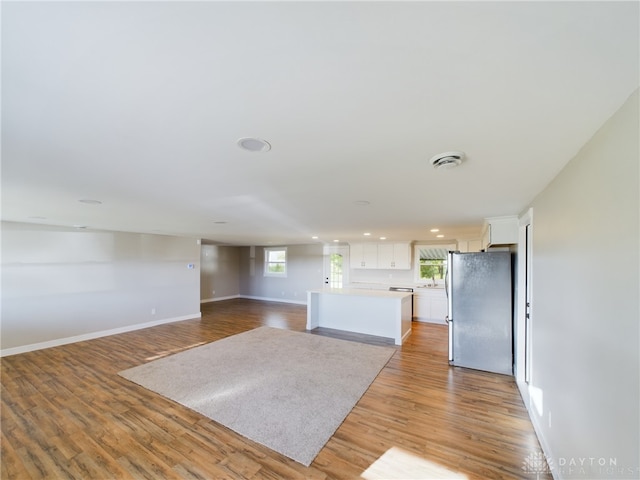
[370,255]
[438,309]
[363,255]
[356,255]
[394,256]
[402,256]
[385,255]
[500,231]
[421,307]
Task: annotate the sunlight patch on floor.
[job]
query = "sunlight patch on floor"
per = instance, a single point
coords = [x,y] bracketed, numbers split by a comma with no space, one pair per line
[398,464]
[172,351]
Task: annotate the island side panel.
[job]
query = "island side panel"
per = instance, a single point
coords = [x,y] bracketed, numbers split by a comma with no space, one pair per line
[313,316]
[361,314]
[405,320]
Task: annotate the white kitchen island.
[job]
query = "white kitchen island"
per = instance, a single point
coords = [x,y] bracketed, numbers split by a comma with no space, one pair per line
[372,312]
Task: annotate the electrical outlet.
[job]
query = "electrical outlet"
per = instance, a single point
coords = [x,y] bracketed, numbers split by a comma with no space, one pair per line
[549,419]
[213,292]
[153,311]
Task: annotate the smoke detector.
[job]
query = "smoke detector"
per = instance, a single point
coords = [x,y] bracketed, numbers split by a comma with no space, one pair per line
[447,160]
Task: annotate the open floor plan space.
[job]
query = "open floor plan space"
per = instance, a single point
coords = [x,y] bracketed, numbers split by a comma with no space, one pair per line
[66,413]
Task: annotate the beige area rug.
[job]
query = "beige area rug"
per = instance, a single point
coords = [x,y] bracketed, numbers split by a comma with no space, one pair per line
[289,391]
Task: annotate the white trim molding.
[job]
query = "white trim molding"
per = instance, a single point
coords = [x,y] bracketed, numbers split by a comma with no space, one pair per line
[269,299]
[218,299]
[93,335]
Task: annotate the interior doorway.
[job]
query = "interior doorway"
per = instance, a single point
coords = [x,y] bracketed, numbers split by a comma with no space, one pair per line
[336,266]
[523,327]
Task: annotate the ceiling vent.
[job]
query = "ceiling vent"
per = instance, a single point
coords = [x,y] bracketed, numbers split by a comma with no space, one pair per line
[447,160]
[254,144]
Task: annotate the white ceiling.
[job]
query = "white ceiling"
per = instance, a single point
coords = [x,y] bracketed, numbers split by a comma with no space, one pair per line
[140,104]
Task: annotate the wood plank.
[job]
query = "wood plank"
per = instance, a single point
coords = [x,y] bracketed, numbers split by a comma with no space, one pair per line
[65,412]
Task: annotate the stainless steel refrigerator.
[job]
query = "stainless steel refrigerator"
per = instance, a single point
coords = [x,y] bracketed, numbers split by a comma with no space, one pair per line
[480,319]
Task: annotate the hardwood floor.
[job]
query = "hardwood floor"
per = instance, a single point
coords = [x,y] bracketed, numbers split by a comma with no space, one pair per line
[67,414]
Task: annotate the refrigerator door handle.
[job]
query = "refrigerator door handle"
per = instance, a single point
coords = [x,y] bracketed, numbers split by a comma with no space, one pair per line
[448,291]
[450,325]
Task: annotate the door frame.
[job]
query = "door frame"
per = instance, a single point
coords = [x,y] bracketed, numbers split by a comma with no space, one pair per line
[327,251]
[523,338]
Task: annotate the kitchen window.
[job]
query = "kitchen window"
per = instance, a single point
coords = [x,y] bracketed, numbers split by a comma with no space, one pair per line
[275,262]
[433,268]
[431,262]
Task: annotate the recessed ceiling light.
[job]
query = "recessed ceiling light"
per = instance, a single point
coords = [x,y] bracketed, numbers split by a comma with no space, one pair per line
[440,236]
[447,160]
[434,230]
[366,234]
[336,241]
[254,144]
[383,238]
[89,201]
[315,237]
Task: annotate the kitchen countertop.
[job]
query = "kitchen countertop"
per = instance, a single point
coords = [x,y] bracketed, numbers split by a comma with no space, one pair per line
[362,292]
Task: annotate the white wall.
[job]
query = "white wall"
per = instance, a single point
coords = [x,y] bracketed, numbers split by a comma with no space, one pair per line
[381,276]
[585,310]
[61,284]
[219,272]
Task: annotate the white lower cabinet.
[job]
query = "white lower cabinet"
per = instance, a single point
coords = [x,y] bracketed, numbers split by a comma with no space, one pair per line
[438,309]
[421,307]
[430,305]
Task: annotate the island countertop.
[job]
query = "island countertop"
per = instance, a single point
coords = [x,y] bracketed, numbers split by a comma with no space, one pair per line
[362,292]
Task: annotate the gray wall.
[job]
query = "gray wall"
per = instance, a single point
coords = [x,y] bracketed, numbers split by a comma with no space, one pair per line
[219,272]
[304,264]
[585,376]
[59,283]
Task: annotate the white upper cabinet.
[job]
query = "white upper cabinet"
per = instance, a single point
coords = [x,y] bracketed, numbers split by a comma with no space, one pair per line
[363,255]
[469,245]
[500,231]
[395,256]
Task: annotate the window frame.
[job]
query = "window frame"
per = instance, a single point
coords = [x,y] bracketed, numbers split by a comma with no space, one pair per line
[267,263]
[416,261]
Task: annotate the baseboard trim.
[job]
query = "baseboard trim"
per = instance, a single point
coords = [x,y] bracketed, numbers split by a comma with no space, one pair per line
[93,335]
[537,428]
[405,336]
[269,299]
[218,299]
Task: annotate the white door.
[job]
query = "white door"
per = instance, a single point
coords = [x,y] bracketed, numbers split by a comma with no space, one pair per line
[523,330]
[527,305]
[336,266]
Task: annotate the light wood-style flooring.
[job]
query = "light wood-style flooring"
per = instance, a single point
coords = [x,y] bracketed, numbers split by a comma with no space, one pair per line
[67,414]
